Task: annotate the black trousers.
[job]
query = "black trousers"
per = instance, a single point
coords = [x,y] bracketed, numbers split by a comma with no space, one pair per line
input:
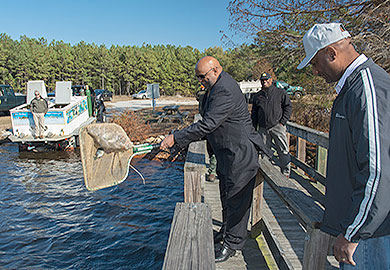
[235,214]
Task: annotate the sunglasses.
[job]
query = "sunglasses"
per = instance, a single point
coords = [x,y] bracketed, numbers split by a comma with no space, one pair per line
[202,76]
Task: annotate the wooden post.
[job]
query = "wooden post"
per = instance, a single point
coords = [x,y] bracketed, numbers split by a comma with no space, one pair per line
[301,152]
[257,204]
[195,170]
[192,185]
[190,243]
[316,249]
[321,158]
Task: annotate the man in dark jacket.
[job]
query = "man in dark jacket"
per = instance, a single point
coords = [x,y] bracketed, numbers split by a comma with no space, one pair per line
[271,110]
[357,208]
[227,126]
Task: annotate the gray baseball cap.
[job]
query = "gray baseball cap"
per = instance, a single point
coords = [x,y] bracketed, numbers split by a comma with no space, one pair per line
[320,36]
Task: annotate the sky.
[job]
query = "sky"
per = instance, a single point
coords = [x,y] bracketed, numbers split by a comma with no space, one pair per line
[121,22]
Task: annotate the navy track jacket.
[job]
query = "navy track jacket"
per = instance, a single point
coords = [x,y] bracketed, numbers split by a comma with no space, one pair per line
[357,201]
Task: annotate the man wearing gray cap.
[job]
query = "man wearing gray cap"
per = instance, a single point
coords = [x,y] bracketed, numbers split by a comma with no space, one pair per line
[357,209]
[271,109]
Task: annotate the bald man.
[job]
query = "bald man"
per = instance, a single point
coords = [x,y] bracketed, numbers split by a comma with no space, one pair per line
[227,125]
[357,208]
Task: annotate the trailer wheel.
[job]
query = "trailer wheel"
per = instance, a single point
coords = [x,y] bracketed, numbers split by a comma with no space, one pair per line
[298,95]
[22,147]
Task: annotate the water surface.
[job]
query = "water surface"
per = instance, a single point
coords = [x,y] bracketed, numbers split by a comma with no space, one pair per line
[50,221]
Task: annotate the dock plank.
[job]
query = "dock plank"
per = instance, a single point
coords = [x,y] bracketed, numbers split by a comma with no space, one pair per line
[281,222]
[284,226]
[190,241]
[250,257]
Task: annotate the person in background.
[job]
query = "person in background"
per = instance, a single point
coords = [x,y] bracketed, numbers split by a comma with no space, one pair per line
[357,208]
[93,101]
[271,110]
[227,126]
[39,108]
[211,174]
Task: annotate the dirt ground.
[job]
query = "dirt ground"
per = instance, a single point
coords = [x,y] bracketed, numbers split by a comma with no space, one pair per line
[5,122]
[142,126]
[175,98]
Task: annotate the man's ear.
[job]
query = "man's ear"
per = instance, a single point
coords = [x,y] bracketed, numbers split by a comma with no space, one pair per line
[331,52]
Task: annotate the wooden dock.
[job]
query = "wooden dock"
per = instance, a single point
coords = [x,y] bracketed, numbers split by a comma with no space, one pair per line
[251,256]
[280,223]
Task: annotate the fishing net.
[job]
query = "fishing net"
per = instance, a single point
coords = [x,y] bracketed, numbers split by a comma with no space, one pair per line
[106,152]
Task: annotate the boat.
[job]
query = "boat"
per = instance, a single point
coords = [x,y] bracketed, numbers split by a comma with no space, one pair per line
[66,115]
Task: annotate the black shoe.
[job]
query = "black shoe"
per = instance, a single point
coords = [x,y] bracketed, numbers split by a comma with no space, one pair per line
[218,237]
[224,253]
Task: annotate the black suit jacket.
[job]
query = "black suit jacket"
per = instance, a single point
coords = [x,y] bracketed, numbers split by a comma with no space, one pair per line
[227,125]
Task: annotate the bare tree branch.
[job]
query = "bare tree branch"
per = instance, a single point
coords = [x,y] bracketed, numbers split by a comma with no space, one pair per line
[277,27]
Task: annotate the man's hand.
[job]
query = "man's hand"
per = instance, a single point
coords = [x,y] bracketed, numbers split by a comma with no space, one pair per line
[343,250]
[167,142]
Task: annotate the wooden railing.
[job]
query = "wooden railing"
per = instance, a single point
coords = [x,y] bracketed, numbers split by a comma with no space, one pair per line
[320,139]
[307,209]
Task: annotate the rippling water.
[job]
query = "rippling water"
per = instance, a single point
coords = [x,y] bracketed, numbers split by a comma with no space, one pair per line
[50,221]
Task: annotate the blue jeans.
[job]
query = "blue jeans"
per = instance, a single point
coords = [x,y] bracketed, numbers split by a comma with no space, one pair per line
[373,253]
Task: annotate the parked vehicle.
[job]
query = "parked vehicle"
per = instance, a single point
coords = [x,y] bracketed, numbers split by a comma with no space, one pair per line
[296,91]
[106,95]
[249,89]
[78,90]
[141,94]
[8,98]
[152,91]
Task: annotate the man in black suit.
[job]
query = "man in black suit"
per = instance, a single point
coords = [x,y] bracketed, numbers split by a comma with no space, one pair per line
[227,125]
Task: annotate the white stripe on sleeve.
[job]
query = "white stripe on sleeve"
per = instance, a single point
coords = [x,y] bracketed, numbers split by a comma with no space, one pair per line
[374,155]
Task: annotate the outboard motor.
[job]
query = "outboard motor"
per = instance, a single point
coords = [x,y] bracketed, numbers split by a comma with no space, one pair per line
[100,109]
